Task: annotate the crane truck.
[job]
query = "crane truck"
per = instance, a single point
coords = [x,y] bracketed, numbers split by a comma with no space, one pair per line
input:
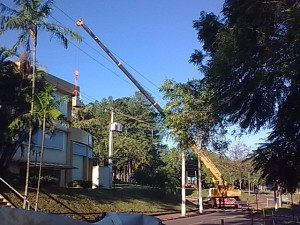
[222,193]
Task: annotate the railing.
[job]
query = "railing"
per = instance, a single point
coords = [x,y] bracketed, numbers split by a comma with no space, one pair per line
[27,203]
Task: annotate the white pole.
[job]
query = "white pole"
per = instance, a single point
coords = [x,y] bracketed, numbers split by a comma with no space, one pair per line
[249,187]
[200,183]
[183,206]
[110,148]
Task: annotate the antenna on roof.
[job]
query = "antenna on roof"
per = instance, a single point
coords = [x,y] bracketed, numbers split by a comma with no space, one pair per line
[75,98]
[76,92]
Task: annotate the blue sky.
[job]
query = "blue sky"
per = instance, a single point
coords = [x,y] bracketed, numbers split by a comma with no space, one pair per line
[153,38]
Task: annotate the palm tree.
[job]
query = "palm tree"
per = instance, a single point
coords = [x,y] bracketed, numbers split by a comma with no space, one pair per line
[28,18]
[47,114]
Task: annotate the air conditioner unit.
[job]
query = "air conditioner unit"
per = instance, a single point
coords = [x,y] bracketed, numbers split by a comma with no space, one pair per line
[116,127]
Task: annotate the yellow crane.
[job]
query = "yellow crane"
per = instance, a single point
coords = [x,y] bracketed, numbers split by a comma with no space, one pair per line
[221,189]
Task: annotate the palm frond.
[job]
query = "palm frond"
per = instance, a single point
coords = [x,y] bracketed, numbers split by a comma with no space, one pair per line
[20,121]
[23,4]
[61,33]
[45,8]
[22,39]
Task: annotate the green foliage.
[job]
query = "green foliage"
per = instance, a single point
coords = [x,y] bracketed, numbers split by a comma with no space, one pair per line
[159,178]
[251,64]
[15,102]
[190,114]
[138,144]
[249,69]
[87,204]
[15,98]
[30,16]
[49,180]
[45,180]
[164,173]
[45,106]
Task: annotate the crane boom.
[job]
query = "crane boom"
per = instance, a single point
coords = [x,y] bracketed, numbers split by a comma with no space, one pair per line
[207,162]
[119,64]
[191,143]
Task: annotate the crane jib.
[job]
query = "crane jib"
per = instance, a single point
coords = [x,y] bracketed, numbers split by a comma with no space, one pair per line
[119,64]
[208,163]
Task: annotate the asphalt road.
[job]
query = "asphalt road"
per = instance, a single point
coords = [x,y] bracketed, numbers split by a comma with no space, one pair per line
[234,217]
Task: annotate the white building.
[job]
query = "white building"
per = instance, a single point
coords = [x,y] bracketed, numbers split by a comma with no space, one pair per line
[67,154]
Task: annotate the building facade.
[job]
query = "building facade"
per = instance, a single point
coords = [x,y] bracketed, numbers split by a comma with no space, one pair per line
[67,152]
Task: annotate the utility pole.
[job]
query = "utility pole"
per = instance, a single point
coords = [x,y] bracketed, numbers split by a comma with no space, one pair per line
[200,183]
[110,150]
[183,204]
[112,127]
[110,144]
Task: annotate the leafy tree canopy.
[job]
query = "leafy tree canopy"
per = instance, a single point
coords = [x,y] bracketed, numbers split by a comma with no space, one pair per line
[251,62]
[191,116]
[15,97]
[140,139]
[251,59]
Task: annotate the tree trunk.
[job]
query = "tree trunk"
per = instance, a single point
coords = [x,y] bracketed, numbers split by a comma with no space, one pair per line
[275,199]
[130,170]
[279,194]
[33,34]
[40,166]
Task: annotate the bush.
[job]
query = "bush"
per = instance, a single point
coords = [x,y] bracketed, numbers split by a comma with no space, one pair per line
[49,180]
[45,180]
[158,179]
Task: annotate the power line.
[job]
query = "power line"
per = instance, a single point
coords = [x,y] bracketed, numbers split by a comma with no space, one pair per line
[72,19]
[117,111]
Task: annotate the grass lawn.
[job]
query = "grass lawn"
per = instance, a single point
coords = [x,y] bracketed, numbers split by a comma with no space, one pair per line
[87,204]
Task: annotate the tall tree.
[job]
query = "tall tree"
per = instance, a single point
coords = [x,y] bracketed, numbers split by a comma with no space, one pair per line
[251,62]
[14,101]
[192,119]
[47,113]
[29,17]
[13,92]
[191,115]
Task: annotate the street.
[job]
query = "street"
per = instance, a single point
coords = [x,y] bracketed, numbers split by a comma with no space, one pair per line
[236,217]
